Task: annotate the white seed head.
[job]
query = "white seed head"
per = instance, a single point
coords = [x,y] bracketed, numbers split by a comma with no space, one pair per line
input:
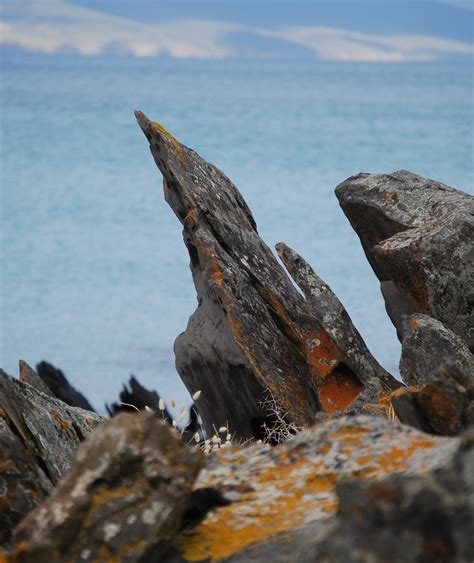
[147,408]
[228,437]
[173,403]
[222,429]
[197,438]
[161,405]
[181,416]
[175,423]
[196,395]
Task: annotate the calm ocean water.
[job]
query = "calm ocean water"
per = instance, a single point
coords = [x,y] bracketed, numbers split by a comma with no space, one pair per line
[94,273]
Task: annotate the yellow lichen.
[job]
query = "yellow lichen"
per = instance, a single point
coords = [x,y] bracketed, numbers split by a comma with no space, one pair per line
[158,128]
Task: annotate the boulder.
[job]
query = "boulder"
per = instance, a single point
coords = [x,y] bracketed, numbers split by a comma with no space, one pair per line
[122,500]
[252,336]
[427,344]
[284,499]
[56,381]
[418,237]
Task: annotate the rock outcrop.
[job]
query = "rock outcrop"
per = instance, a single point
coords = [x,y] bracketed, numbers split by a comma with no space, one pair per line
[418,235]
[38,439]
[253,336]
[122,500]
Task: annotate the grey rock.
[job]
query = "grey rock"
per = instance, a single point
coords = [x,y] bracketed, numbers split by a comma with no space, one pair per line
[122,500]
[252,336]
[23,484]
[332,315]
[427,344]
[407,519]
[418,235]
[49,429]
[29,375]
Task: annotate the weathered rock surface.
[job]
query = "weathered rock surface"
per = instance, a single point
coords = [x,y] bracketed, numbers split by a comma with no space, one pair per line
[23,484]
[284,498]
[427,344]
[444,404]
[49,429]
[122,500]
[29,375]
[406,519]
[56,381]
[418,235]
[252,334]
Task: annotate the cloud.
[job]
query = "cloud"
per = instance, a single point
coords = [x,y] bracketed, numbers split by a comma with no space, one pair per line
[52,26]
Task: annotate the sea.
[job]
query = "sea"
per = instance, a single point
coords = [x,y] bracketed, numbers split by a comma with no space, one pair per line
[94,273]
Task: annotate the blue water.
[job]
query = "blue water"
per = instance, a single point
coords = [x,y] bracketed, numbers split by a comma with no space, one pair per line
[94,273]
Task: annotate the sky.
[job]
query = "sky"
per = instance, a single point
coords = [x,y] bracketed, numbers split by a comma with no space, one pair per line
[337,30]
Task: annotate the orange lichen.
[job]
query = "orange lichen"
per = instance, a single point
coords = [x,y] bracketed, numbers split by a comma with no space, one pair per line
[414,324]
[64,424]
[157,127]
[338,393]
[295,482]
[321,353]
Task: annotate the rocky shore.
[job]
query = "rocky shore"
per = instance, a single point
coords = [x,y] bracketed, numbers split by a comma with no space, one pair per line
[306,449]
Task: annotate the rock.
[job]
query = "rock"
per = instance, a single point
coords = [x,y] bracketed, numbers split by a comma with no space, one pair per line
[23,484]
[122,500]
[49,429]
[332,315]
[284,498]
[138,397]
[428,344]
[252,335]
[406,519]
[56,381]
[444,404]
[29,375]
[418,236]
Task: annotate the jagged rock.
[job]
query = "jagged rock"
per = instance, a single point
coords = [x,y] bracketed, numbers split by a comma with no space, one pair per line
[252,335]
[122,500]
[332,315]
[284,498]
[29,375]
[406,519]
[140,398]
[444,404]
[56,381]
[49,429]
[23,484]
[426,345]
[418,236]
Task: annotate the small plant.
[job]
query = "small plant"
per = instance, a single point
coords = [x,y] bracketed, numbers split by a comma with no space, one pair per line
[280,428]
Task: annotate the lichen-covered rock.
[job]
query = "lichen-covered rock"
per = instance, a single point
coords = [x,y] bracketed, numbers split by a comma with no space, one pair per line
[29,375]
[443,404]
[406,519]
[332,315]
[49,429]
[252,334]
[427,344]
[23,484]
[284,495]
[122,500]
[418,235]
